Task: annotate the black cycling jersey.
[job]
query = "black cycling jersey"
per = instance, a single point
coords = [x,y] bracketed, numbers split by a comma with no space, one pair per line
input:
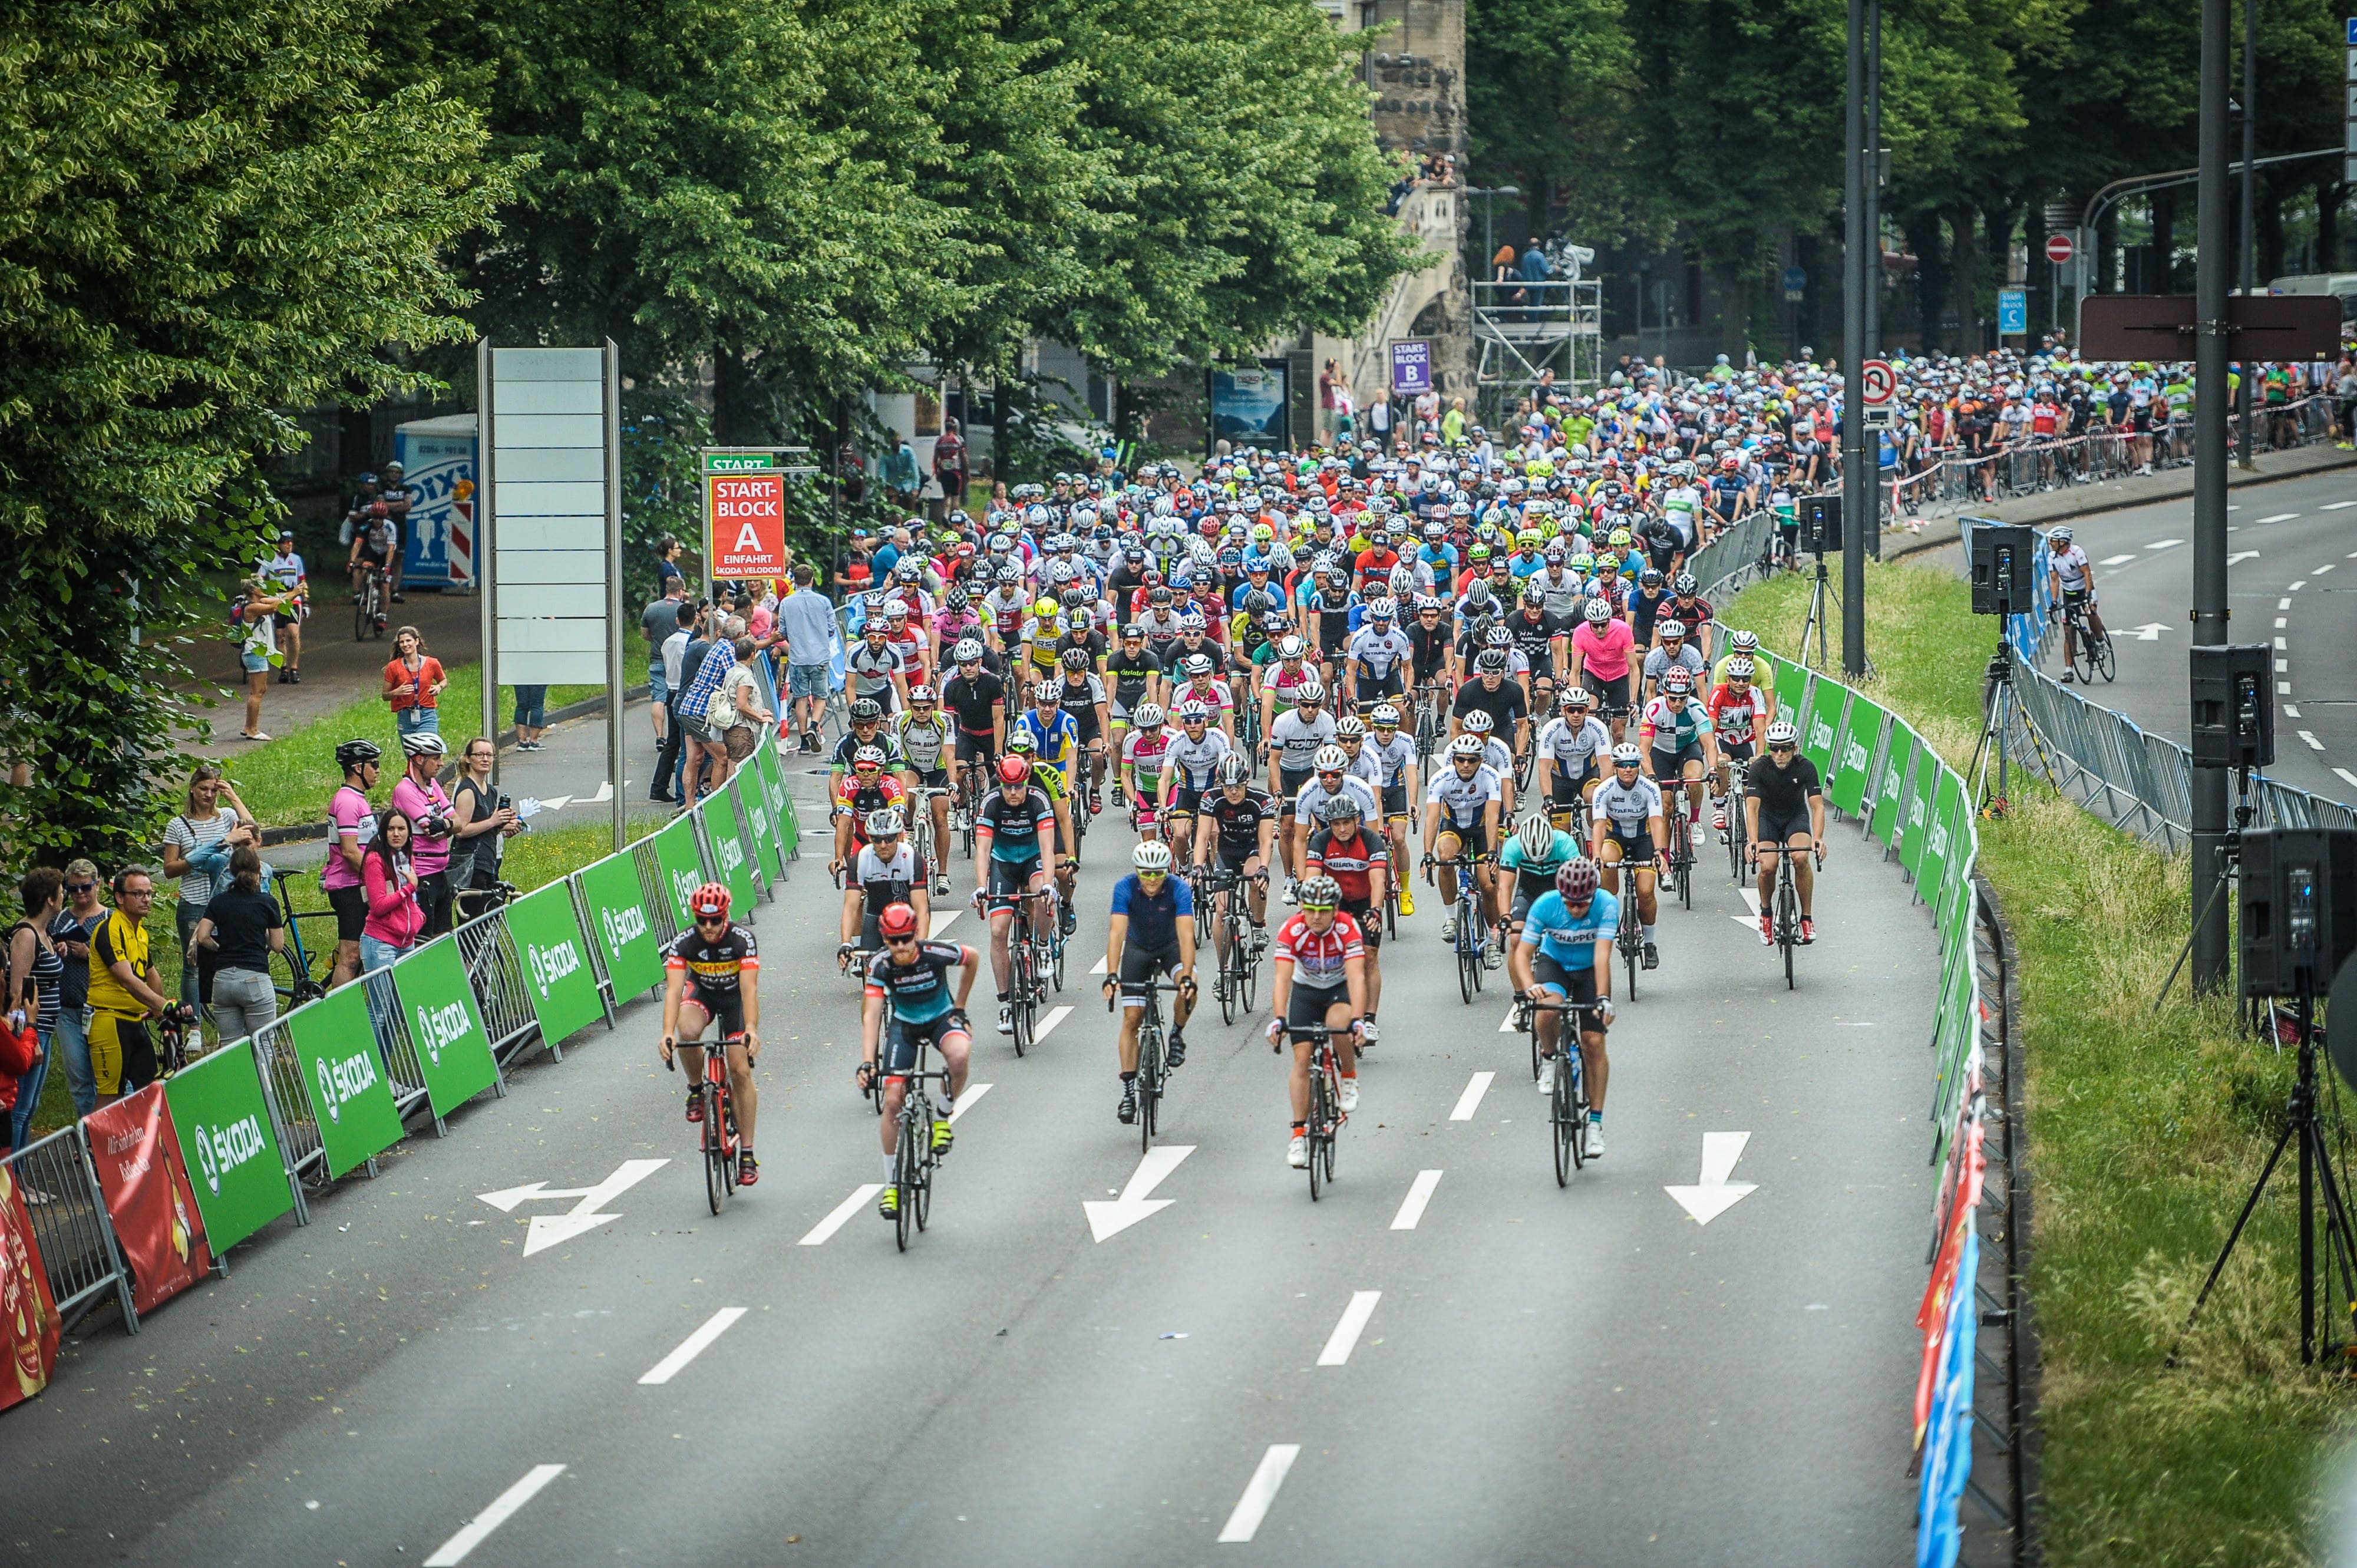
[1507,705]
[1429,647]
[883,741]
[970,702]
[1782,792]
[1080,701]
[1333,613]
[1129,672]
[1015,830]
[713,965]
[1238,822]
[1536,638]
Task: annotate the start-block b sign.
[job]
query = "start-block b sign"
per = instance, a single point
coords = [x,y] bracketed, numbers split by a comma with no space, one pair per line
[745,517]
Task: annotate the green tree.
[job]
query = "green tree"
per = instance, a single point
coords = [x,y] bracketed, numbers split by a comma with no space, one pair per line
[1551,101]
[209,211]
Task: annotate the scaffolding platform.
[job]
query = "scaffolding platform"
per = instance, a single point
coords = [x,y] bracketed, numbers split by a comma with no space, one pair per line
[1526,329]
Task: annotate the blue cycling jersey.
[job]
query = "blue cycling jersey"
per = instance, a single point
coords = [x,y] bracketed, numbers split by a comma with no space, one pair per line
[1571,942]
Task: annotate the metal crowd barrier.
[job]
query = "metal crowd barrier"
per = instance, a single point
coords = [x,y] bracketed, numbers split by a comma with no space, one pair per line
[397,1049]
[496,976]
[290,1104]
[60,1187]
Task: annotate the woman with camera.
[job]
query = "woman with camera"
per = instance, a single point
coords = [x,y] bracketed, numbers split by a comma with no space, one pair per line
[420,797]
[484,820]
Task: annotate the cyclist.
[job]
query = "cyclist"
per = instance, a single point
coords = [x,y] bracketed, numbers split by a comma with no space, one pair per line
[1601,651]
[1359,863]
[1495,756]
[1050,782]
[1674,653]
[372,541]
[1534,852]
[1460,817]
[1144,762]
[1282,674]
[916,974]
[1432,650]
[1741,645]
[2071,580]
[1504,701]
[1138,675]
[1294,741]
[1321,978]
[867,729]
[1678,740]
[1193,769]
[888,871]
[1055,735]
[1153,934]
[1564,952]
[1784,799]
[1539,637]
[711,974]
[1330,776]
[1018,824]
[1083,696]
[854,796]
[976,700]
[351,820]
[1627,812]
[1572,748]
[1739,713]
[1236,840]
[1694,614]
[921,735]
[1201,684]
[877,667]
[1378,658]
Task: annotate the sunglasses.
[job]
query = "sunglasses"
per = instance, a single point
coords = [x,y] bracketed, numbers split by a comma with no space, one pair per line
[1781,750]
[79,887]
[1307,908]
[712,919]
[1152,875]
[900,941]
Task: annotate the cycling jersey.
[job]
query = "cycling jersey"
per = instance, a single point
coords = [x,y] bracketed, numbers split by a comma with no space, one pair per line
[1570,940]
[1735,717]
[1296,740]
[888,882]
[1605,656]
[1627,808]
[1213,695]
[1429,649]
[1462,800]
[974,699]
[846,748]
[921,745]
[1348,861]
[1197,762]
[920,989]
[1659,663]
[1562,849]
[1237,823]
[1380,655]
[1310,803]
[1507,705]
[1080,702]
[713,965]
[1535,640]
[1146,753]
[2071,568]
[1574,751]
[1668,730]
[1130,673]
[1391,761]
[1319,957]
[1053,740]
[1016,832]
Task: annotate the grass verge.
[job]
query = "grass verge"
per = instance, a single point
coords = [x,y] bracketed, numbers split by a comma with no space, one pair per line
[288,780]
[2146,1132]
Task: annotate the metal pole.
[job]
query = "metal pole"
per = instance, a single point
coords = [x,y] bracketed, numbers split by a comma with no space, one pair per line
[487,578]
[2209,459]
[614,758]
[2250,212]
[1858,476]
[1874,244]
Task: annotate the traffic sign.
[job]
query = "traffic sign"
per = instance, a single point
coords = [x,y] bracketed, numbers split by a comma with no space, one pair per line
[2059,249]
[1878,389]
[2353,32]
[2012,311]
[1796,279]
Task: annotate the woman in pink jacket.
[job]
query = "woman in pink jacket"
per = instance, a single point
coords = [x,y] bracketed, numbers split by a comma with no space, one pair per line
[388,879]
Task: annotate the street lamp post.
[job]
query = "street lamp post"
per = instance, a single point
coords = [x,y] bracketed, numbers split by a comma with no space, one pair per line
[2249,215]
[2210,458]
[1859,477]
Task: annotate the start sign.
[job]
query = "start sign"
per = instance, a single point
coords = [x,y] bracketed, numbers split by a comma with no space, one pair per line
[745,525]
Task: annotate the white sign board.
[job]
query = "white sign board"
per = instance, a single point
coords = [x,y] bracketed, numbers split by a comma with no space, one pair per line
[1879,390]
[547,458]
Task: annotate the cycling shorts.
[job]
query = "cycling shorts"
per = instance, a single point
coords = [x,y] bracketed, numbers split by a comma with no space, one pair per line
[1633,844]
[898,1056]
[1395,802]
[1738,750]
[728,1011]
[1774,829]
[1610,695]
[1140,966]
[1184,802]
[1229,861]
[1289,783]
[1572,985]
[1669,761]
[927,779]
[1474,836]
[122,1053]
[973,747]
[1308,1004]
[1010,877]
[1564,787]
[350,905]
[1373,688]
[1370,918]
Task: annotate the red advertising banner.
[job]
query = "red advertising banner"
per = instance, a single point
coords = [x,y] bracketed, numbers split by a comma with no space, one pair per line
[145,1180]
[28,1313]
[746,518]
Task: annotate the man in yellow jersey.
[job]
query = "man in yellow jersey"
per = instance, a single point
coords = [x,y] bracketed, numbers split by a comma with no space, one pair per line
[124,993]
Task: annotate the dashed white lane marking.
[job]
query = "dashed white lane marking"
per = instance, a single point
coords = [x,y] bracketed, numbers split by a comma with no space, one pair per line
[2281,645]
[1098,968]
[2239,557]
[1470,1101]
[1260,1491]
[842,1212]
[2280,517]
[2290,711]
[2282,688]
[2346,777]
[1506,1024]
[2282,621]
[2320,571]
[1345,1337]
[973,1091]
[2283,666]
[941,922]
[454,1551]
[1048,1025]
[2118,560]
[2163,543]
[2298,586]
[1419,1193]
[693,1346]
[2336,506]
[2282,604]
[2313,743]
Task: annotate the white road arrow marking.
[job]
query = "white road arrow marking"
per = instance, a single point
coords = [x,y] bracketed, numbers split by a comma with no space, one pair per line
[556,802]
[1716,1195]
[941,922]
[2239,557]
[2150,632]
[1135,1201]
[604,794]
[548,1229]
[1260,1491]
[1345,1337]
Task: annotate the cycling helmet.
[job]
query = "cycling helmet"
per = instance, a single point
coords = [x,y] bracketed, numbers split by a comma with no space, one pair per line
[2058,535]
[1350,726]
[1072,658]
[1133,632]
[1533,595]
[1477,722]
[955,599]
[1672,630]
[871,756]
[1649,578]
[1578,697]
[1151,855]
[1194,713]
[1498,637]
[896,920]
[909,571]
[920,695]
[1740,668]
[1381,609]
[867,711]
[1536,837]
[1466,746]
[1330,759]
[423,743]
[709,900]
[1233,771]
[1385,716]
[1197,664]
[1148,716]
[1020,739]
[884,824]
[1291,648]
[1598,611]
[1044,694]
[1743,641]
[1492,662]
[1013,770]
[1677,678]
[1783,733]
[1577,880]
[1342,807]
[352,753]
[1684,585]
[1626,754]
[1319,893]
[967,651]
[1309,693]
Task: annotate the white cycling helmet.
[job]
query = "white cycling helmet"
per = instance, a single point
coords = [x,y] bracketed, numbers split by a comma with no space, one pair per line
[424,743]
[1578,697]
[1781,733]
[1151,855]
[1479,722]
[1309,693]
[1626,754]
[967,651]
[1147,716]
[1194,712]
[1385,716]
[1466,746]
[1599,612]
[1330,759]
[1537,837]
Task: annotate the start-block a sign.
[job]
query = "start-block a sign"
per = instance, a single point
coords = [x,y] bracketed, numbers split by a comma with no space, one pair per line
[745,516]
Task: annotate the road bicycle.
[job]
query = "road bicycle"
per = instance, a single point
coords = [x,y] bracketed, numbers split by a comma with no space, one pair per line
[1431,729]
[1628,940]
[914,1158]
[965,816]
[1472,939]
[1679,856]
[1567,1104]
[2091,650]
[920,833]
[1784,907]
[1233,939]
[368,606]
[1738,833]
[1326,1117]
[717,1118]
[1033,958]
[305,974]
[1153,1057]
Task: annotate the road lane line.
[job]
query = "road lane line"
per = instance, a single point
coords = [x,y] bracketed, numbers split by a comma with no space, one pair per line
[2282,688]
[1260,1491]
[2281,645]
[973,1091]
[2298,586]
[2313,743]
[454,1551]
[2163,543]
[693,1346]
[1047,1026]
[2336,506]
[843,1213]
[1506,1024]
[2282,621]
[2320,571]
[1470,1101]
[941,922]
[2283,666]
[1419,1193]
[2290,711]
[1345,1337]
[1098,968]
[2280,517]
[2282,605]
[2118,560]
[2346,776]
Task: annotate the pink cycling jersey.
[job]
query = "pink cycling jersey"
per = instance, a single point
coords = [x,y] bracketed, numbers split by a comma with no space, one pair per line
[1605,657]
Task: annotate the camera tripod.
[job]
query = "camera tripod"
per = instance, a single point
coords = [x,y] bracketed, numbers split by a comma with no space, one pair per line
[2229,856]
[1819,593]
[1999,707]
[2304,1122]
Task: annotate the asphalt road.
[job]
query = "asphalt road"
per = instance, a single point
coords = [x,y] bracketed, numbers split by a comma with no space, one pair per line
[1545,1375]
[2292,574]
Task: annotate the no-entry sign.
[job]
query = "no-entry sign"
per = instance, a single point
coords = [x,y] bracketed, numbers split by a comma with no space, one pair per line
[745,525]
[2059,249]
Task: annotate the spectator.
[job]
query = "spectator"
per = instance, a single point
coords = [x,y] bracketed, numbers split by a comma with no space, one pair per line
[284,575]
[484,820]
[1452,424]
[530,717]
[711,662]
[807,619]
[252,615]
[389,879]
[1502,269]
[124,994]
[667,570]
[950,467]
[656,623]
[240,928]
[188,839]
[667,759]
[71,933]
[37,987]
[1381,419]
[413,684]
[1536,268]
[901,476]
[738,717]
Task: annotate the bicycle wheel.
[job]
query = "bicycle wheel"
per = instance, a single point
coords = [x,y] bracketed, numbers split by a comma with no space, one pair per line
[1532,1031]
[2082,657]
[1055,959]
[715,1152]
[1230,983]
[364,615]
[1333,1116]
[1251,979]
[1684,841]
[1523,768]
[1788,928]
[904,1175]
[1149,1084]
[925,1164]
[1566,1135]
[2105,663]
[1466,960]
[1019,980]
[1578,1100]
[1316,1131]
[1735,835]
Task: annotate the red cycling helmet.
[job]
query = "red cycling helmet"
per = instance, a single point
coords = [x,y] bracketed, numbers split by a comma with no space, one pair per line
[1013,770]
[897,920]
[1577,880]
[712,899]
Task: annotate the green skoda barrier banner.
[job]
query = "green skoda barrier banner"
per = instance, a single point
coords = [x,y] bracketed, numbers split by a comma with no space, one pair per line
[234,1165]
[1792,690]
[453,1051]
[1821,724]
[773,795]
[556,963]
[1888,790]
[626,937]
[1853,751]
[789,825]
[1917,830]
[1960,845]
[681,867]
[344,1079]
[760,821]
[729,848]
[1931,871]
